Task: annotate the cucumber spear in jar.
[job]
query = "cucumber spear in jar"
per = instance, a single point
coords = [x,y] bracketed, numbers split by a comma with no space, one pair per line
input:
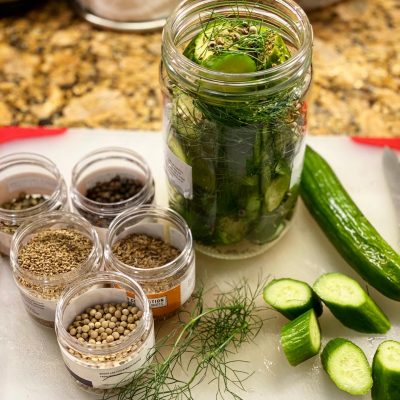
[241,153]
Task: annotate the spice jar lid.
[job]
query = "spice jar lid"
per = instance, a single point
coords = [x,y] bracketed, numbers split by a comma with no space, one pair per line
[51,221]
[98,281]
[168,219]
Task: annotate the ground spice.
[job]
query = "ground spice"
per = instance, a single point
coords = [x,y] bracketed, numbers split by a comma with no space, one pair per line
[104,324]
[23,201]
[52,252]
[115,190]
[143,251]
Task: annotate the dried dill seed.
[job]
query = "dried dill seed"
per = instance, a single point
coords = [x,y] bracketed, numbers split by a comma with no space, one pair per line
[143,251]
[115,190]
[23,201]
[51,252]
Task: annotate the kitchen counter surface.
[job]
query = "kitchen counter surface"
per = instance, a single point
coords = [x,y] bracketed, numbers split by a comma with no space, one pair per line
[56,69]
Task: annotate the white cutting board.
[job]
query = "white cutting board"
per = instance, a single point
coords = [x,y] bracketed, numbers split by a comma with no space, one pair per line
[31,363]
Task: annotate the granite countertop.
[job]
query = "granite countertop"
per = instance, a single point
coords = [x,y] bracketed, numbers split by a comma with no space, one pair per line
[56,69]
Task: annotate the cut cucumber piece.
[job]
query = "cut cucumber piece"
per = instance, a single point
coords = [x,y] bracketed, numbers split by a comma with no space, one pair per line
[347,366]
[386,371]
[279,54]
[301,338]
[235,63]
[291,297]
[350,304]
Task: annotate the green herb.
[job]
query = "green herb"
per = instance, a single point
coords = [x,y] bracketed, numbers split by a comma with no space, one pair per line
[203,346]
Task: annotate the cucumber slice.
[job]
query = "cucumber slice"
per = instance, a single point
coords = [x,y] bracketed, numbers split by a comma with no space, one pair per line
[291,297]
[347,366]
[279,54]
[234,63]
[386,371]
[301,338]
[350,304]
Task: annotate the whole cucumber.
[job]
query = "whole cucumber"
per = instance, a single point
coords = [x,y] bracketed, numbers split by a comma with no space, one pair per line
[347,228]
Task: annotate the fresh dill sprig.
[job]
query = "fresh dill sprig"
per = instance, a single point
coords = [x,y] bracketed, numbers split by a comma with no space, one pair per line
[203,345]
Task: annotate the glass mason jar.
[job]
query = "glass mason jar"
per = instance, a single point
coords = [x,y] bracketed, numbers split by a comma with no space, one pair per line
[98,367]
[27,175]
[41,291]
[170,285]
[103,165]
[235,141]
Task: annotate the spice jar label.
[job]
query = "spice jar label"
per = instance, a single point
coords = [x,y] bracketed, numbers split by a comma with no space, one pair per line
[179,173]
[104,376]
[163,303]
[30,182]
[5,243]
[41,308]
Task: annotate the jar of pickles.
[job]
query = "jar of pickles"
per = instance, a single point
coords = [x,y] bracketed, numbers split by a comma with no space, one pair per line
[235,78]
[30,185]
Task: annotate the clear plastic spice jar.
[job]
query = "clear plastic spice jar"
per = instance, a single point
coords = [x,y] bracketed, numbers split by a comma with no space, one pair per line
[99,367]
[102,166]
[41,291]
[168,286]
[236,123]
[30,175]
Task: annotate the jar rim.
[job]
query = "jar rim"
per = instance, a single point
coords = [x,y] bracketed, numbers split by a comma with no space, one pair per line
[115,208]
[14,159]
[155,273]
[49,219]
[218,79]
[89,281]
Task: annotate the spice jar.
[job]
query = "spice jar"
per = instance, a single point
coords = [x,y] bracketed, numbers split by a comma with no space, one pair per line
[49,253]
[235,77]
[30,185]
[96,366]
[102,184]
[154,246]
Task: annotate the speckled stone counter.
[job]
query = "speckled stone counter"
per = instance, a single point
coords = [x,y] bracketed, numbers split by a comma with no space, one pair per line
[56,69]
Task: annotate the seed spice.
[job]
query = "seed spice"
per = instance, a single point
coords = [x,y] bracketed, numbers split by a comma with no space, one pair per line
[143,251]
[114,190]
[102,325]
[53,252]
[23,201]
[147,252]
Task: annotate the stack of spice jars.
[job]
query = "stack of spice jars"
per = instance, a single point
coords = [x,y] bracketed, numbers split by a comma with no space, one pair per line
[101,304]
